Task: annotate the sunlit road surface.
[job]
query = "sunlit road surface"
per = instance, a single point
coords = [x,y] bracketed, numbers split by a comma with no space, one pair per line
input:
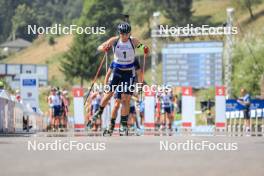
[133,155]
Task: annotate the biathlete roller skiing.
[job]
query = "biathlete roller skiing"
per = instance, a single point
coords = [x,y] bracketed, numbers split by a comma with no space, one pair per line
[122,75]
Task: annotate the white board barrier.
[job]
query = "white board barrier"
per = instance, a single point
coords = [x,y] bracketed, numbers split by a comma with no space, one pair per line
[188,108]
[220,107]
[78,109]
[149,110]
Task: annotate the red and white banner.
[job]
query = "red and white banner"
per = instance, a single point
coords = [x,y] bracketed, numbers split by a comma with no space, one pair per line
[188,107]
[149,110]
[220,107]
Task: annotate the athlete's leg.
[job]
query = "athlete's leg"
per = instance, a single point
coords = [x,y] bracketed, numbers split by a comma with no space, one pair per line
[124,114]
[163,119]
[137,111]
[134,119]
[172,115]
[142,118]
[141,112]
[107,96]
[171,120]
[104,102]
[51,112]
[118,97]
[125,104]
[98,124]
[56,122]
[132,116]
[66,117]
[114,114]
[130,120]
[127,80]
[166,119]
[62,117]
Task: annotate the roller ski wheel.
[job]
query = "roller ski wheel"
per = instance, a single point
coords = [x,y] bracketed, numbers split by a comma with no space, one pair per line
[107,132]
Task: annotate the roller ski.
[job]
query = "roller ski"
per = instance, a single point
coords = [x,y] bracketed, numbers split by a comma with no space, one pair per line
[96,116]
[109,131]
[123,131]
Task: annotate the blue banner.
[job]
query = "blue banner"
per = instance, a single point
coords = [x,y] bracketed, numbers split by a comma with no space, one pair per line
[233,105]
[256,104]
[29,82]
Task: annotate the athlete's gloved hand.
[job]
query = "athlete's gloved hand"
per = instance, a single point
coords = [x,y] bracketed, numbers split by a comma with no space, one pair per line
[146,50]
[106,48]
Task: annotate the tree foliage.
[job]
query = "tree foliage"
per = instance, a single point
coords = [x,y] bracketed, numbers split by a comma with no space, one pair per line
[44,13]
[23,17]
[82,60]
[179,12]
[246,4]
[248,66]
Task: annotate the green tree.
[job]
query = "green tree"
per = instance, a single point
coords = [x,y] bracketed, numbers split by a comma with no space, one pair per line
[72,10]
[248,68]
[141,13]
[179,12]
[23,17]
[6,13]
[246,4]
[82,60]
[46,13]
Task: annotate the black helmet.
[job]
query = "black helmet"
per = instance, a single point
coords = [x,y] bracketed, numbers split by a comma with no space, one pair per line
[124,28]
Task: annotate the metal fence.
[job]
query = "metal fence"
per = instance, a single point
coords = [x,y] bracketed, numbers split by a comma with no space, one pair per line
[16,117]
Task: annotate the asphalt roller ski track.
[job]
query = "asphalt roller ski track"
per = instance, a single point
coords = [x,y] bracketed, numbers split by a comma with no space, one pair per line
[132,155]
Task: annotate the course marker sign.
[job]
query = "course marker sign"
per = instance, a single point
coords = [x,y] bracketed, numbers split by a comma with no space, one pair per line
[78,109]
[188,108]
[220,107]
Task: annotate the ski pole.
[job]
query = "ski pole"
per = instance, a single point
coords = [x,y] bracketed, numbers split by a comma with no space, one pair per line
[143,72]
[95,78]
